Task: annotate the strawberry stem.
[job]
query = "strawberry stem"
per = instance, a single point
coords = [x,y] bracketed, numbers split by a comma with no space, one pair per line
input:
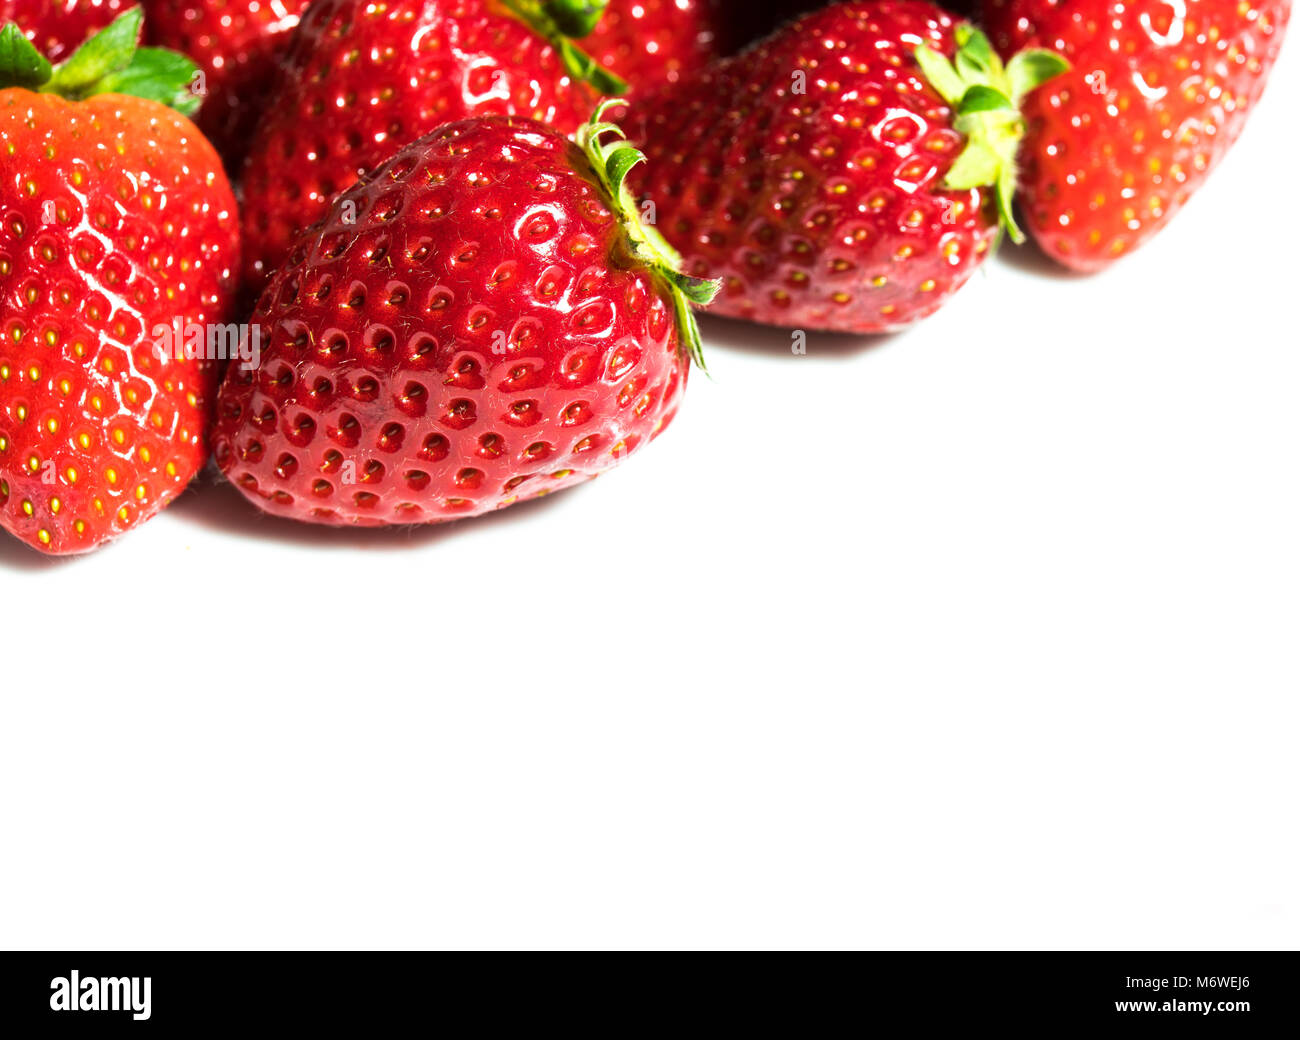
[110,62]
[986,96]
[558,21]
[612,161]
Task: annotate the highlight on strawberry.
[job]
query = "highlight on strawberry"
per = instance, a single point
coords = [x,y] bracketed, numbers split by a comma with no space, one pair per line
[482,320]
[118,219]
[846,174]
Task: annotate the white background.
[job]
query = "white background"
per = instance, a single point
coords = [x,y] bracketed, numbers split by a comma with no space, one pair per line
[984,635]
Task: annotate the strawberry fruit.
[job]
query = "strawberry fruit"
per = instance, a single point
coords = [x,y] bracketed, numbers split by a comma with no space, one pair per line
[115,218]
[362,79]
[648,42]
[238,45]
[495,324]
[847,174]
[1157,94]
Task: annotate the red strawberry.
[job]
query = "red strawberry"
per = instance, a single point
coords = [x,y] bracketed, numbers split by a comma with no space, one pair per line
[238,45]
[362,79]
[58,27]
[648,42]
[1159,91]
[841,175]
[495,325]
[116,219]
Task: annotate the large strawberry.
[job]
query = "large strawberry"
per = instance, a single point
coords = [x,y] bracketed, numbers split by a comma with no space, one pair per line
[1158,93]
[117,221]
[58,27]
[844,174]
[494,325]
[238,45]
[362,79]
[648,42]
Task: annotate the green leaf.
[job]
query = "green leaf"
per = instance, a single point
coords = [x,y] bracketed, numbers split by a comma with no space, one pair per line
[576,18]
[1032,68]
[980,98]
[109,50]
[940,74]
[978,166]
[586,69]
[1006,190]
[976,49]
[21,64]
[610,164]
[159,75]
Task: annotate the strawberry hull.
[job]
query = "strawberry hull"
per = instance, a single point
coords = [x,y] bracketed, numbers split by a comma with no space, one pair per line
[465,330]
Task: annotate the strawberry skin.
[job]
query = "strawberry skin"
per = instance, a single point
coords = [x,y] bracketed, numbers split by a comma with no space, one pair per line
[482,334]
[1157,94]
[238,44]
[97,432]
[821,209]
[58,27]
[362,79]
[648,42]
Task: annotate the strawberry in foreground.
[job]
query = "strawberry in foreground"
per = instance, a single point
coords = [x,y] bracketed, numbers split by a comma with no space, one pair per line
[495,325]
[847,174]
[362,79]
[648,42]
[238,44]
[1157,94]
[58,27]
[117,219]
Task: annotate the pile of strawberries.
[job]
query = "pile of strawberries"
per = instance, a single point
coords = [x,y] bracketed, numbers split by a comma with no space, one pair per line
[446,280]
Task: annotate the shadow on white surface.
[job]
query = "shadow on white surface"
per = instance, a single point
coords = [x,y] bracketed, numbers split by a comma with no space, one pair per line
[773,341]
[213,503]
[1029,259]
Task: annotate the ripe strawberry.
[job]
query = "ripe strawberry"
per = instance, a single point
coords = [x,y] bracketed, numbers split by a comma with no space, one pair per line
[115,218]
[1158,94]
[362,79]
[842,174]
[496,324]
[57,27]
[238,44]
[648,42]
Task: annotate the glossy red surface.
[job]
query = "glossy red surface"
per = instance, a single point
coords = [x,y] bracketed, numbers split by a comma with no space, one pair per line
[115,217]
[806,173]
[649,42]
[475,336]
[362,79]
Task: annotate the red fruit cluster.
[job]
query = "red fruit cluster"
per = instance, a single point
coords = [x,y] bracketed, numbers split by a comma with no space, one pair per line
[470,289]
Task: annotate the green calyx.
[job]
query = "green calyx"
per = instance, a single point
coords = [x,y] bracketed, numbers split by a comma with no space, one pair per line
[986,96]
[560,22]
[110,62]
[612,160]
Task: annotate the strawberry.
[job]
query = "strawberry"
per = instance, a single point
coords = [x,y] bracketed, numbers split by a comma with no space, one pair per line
[115,219]
[238,44]
[648,42]
[362,79]
[844,174]
[57,27]
[495,324]
[1158,94]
